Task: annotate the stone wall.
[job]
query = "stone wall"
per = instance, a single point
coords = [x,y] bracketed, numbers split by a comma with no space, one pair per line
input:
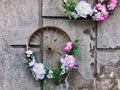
[99,42]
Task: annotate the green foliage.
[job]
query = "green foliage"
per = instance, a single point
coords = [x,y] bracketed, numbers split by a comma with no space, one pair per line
[75,49]
[34,75]
[56,74]
[76,41]
[111,12]
[24,60]
[69,6]
[45,80]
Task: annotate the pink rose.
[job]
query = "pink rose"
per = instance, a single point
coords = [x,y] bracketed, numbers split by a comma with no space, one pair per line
[68,46]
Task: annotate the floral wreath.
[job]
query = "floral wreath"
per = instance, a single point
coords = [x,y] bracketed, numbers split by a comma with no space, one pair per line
[99,12]
[42,72]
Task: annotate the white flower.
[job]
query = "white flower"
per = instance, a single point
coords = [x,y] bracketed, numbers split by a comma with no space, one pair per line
[50,74]
[83,9]
[32,63]
[75,15]
[96,16]
[63,72]
[39,71]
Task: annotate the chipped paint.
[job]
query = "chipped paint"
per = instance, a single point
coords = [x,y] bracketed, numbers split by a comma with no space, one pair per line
[102,76]
[118,83]
[111,74]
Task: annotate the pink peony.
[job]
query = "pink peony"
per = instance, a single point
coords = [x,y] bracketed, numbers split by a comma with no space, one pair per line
[68,62]
[103,16]
[98,6]
[68,46]
[28,52]
[100,12]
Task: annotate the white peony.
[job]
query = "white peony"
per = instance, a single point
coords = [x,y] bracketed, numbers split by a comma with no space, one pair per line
[39,71]
[83,9]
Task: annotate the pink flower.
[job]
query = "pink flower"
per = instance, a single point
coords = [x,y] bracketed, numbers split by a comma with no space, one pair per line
[101,7]
[68,46]
[101,12]
[112,4]
[98,6]
[68,62]
[113,1]
[28,52]
[103,16]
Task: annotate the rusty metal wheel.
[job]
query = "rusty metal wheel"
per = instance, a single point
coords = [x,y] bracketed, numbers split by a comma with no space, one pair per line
[51,41]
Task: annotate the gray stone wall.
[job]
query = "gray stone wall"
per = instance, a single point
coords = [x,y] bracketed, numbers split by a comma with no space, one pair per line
[19,18]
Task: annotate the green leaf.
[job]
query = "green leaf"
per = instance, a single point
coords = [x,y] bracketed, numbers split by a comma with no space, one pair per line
[56,74]
[24,60]
[34,75]
[77,51]
[74,50]
[76,41]
[45,80]
[69,6]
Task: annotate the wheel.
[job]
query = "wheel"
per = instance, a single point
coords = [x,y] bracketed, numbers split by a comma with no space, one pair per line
[51,42]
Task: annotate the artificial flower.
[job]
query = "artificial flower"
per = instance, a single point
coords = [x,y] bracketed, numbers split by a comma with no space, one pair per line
[100,7]
[63,71]
[112,4]
[68,62]
[75,15]
[39,70]
[50,74]
[68,46]
[100,12]
[32,63]
[29,53]
[83,9]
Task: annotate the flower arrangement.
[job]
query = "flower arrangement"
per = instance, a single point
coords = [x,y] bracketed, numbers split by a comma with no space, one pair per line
[43,72]
[99,12]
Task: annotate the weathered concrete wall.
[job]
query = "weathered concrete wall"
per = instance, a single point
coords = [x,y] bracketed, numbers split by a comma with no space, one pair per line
[19,18]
